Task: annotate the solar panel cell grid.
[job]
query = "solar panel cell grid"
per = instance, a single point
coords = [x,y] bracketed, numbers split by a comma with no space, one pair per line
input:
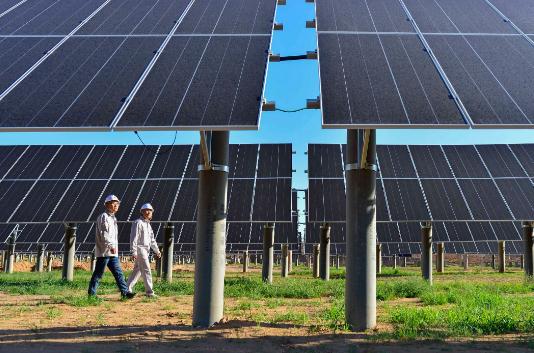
[44,17]
[361,15]
[456,16]
[117,64]
[519,11]
[465,57]
[18,54]
[467,193]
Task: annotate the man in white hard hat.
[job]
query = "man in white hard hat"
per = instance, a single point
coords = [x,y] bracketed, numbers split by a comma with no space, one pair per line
[141,241]
[106,249]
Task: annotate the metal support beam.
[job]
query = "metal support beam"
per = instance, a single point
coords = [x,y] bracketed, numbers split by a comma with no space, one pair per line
[394,262]
[268,253]
[210,255]
[284,269]
[69,252]
[168,252]
[324,253]
[502,256]
[426,251]
[360,175]
[440,261]
[528,256]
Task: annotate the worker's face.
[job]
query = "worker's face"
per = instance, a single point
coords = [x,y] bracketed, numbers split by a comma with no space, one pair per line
[147,214]
[113,206]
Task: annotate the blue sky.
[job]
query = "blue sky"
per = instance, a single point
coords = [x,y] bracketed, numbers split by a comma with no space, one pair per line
[289,84]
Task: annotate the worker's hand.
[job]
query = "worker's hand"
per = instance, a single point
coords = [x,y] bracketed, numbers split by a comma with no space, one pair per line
[112,250]
[134,257]
[158,255]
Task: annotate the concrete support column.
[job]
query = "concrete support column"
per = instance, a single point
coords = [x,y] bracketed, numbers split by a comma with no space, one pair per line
[285,261]
[337,261]
[168,252]
[378,259]
[210,255]
[466,261]
[159,262]
[502,256]
[10,261]
[324,253]
[403,261]
[69,252]
[493,262]
[246,261]
[297,259]
[268,253]
[49,261]
[426,251]
[528,256]
[316,260]
[394,262]
[290,260]
[440,261]
[93,261]
[40,258]
[360,284]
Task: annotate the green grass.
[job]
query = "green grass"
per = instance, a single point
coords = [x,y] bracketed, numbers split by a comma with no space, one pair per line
[460,303]
[471,309]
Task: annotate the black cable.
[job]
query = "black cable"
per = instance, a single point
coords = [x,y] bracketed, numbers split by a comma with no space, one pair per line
[155,150]
[290,111]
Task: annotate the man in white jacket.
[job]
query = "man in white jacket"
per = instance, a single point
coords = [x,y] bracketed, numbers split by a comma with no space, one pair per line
[141,241]
[107,248]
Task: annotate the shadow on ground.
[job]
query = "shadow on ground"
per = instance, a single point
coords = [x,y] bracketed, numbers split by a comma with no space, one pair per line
[231,337]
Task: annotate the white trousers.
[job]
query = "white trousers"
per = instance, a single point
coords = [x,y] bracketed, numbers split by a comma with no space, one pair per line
[141,268]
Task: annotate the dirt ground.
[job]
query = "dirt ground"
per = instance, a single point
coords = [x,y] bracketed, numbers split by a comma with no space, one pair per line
[35,324]
[38,324]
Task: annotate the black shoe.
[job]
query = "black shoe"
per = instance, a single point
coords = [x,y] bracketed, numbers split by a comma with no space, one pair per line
[128,295]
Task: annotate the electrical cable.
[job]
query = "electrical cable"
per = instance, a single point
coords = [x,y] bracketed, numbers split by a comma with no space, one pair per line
[155,150]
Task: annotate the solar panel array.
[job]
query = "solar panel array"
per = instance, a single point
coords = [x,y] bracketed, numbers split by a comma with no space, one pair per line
[431,183]
[411,63]
[130,64]
[66,184]
[458,237]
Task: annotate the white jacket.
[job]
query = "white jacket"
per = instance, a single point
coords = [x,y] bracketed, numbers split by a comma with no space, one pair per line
[107,235]
[142,236]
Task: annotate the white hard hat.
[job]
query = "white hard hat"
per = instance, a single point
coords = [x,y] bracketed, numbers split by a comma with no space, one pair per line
[147,206]
[111,198]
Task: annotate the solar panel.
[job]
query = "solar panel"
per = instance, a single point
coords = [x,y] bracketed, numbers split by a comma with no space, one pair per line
[134,65]
[66,184]
[430,183]
[434,64]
